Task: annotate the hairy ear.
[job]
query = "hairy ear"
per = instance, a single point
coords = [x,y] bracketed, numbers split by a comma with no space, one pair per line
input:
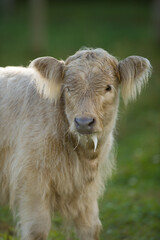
[133,72]
[49,76]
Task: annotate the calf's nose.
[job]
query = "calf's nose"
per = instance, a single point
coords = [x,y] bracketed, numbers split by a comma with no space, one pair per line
[84,125]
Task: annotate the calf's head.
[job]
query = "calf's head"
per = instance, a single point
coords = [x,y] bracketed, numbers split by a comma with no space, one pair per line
[90,82]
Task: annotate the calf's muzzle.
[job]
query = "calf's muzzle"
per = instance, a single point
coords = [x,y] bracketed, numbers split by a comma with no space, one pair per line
[84,125]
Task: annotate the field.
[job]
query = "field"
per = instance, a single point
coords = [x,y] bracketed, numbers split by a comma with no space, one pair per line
[130,208]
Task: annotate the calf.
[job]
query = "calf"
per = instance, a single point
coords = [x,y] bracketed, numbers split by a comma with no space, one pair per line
[57,120]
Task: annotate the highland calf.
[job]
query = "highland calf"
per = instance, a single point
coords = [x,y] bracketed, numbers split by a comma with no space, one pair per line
[57,120]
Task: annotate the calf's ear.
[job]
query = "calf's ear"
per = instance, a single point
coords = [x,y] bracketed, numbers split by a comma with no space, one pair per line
[49,76]
[133,74]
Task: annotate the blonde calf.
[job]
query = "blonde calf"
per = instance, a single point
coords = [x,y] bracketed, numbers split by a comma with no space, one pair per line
[57,120]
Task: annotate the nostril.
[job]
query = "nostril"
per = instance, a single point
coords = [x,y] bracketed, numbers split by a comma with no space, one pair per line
[92,121]
[76,121]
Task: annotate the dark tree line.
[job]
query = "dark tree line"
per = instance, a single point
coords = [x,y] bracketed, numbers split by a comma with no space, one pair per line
[37,18]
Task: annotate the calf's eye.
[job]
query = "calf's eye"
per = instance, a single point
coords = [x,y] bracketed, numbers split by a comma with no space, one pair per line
[108,88]
[67,89]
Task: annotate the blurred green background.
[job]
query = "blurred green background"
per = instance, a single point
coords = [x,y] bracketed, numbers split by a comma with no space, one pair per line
[130,208]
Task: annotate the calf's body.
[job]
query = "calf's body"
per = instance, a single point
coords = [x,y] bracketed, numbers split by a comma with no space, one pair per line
[48,162]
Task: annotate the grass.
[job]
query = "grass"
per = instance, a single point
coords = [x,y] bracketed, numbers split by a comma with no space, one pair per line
[130,208]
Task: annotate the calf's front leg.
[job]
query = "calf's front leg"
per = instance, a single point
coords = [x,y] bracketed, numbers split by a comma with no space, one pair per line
[87,222]
[34,215]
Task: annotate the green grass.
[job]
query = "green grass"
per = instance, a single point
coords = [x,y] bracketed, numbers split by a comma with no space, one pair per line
[130,208]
